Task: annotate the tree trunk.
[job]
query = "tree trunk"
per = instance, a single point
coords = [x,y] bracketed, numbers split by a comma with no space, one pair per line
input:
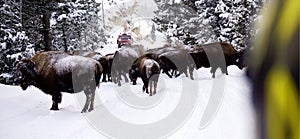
[64,37]
[47,34]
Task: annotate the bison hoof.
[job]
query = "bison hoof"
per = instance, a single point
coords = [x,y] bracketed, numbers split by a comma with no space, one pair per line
[91,109]
[84,111]
[104,81]
[54,109]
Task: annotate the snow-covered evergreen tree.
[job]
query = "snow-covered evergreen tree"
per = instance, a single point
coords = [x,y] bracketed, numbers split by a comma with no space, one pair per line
[177,20]
[76,25]
[204,21]
[13,40]
[35,22]
[235,21]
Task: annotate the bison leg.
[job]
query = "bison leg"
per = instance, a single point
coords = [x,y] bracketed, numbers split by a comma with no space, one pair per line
[109,77]
[119,82]
[56,98]
[151,89]
[213,71]
[134,82]
[173,73]
[226,70]
[145,86]
[88,95]
[155,86]
[104,77]
[92,101]
[191,73]
[167,72]
[126,78]
[118,77]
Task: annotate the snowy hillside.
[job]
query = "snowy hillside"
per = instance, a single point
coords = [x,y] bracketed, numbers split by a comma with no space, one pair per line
[135,18]
[26,114]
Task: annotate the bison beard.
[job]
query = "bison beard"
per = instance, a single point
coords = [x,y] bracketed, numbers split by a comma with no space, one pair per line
[56,72]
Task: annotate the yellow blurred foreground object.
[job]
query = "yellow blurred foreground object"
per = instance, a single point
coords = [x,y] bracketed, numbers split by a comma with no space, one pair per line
[274,71]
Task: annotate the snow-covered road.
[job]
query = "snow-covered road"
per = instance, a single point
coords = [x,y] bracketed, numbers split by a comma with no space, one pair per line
[26,114]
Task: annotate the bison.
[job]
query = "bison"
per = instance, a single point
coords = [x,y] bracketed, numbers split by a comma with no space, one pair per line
[55,72]
[173,59]
[122,61]
[177,60]
[106,62]
[148,69]
[216,55]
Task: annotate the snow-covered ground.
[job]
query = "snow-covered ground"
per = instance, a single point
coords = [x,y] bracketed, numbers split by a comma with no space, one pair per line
[26,114]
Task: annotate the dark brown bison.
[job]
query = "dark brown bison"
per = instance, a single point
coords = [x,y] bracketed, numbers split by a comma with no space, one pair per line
[56,72]
[176,61]
[216,55]
[123,60]
[106,62]
[148,69]
[138,61]
[173,61]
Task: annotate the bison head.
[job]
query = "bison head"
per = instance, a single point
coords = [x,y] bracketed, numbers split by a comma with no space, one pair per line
[133,74]
[26,73]
[103,61]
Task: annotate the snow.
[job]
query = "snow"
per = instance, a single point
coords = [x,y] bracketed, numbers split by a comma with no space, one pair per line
[14,56]
[26,114]
[3,45]
[225,15]
[6,75]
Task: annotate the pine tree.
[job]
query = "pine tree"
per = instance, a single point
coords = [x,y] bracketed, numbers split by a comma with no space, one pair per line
[204,21]
[179,20]
[36,22]
[13,40]
[76,25]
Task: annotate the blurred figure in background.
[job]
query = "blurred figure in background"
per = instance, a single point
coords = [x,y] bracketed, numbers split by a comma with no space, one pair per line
[274,71]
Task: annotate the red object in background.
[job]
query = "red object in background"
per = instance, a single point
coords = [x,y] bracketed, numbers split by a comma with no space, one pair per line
[124,39]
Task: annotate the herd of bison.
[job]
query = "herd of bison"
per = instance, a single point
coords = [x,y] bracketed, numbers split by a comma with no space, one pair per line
[54,72]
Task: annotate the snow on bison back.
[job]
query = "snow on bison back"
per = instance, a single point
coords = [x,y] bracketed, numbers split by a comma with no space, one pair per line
[55,72]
